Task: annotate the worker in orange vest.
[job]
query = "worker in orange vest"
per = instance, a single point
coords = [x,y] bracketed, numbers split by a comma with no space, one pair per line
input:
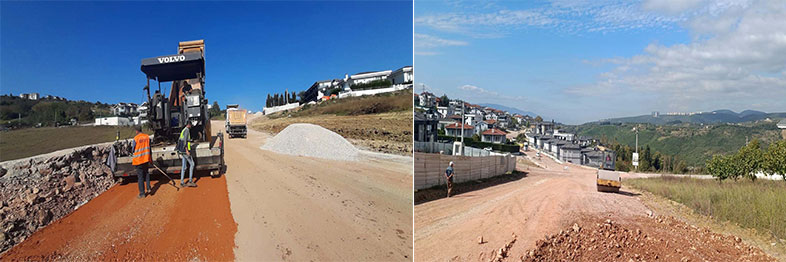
[142,159]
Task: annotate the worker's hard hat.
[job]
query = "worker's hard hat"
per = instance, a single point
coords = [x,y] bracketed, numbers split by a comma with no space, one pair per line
[451,163]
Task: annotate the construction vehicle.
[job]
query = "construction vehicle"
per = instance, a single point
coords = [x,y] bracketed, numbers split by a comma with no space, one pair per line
[608,180]
[167,116]
[236,121]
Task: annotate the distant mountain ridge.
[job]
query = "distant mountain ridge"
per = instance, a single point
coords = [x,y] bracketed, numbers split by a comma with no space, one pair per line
[717,116]
[512,110]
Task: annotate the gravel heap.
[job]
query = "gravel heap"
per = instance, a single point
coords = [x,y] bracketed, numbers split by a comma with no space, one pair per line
[37,191]
[649,239]
[312,140]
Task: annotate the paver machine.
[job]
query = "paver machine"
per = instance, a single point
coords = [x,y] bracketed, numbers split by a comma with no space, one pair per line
[186,103]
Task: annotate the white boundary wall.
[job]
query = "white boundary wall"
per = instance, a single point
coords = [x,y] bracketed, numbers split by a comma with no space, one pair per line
[430,168]
[392,88]
[270,110]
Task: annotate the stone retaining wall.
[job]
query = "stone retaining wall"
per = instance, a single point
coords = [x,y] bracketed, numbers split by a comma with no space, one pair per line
[37,191]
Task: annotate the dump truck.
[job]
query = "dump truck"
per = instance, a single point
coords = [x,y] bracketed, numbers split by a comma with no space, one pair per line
[167,116]
[236,121]
[608,180]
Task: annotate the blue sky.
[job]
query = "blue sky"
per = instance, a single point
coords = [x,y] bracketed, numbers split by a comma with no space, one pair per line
[578,61]
[92,50]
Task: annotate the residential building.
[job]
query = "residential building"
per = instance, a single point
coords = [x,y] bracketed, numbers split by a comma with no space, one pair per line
[493,136]
[425,127]
[125,109]
[401,76]
[455,130]
[443,122]
[320,89]
[445,111]
[368,77]
[113,121]
[571,153]
[427,99]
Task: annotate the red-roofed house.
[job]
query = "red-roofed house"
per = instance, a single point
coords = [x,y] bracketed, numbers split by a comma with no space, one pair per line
[493,136]
[455,130]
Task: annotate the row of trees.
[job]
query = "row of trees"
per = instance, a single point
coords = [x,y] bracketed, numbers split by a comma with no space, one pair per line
[24,112]
[282,99]
[749,160]
[649,161]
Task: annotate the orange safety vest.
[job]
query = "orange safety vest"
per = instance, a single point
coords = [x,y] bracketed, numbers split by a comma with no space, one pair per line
[142,153]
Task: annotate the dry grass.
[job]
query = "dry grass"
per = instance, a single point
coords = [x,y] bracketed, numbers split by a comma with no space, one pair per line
[380,122]
[760,205]
[28,142]
[400,101]
[386,132]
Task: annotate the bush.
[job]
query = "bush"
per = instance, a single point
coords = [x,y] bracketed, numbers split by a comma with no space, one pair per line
[372,85]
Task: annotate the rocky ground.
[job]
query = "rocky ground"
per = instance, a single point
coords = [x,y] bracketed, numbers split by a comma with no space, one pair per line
[641,239]
[37,191]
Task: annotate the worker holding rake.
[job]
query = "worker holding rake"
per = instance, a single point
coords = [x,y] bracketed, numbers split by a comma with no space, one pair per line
[184,150]
[141,160]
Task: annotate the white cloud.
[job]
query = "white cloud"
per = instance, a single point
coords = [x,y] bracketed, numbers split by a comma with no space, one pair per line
[671,6]
[561,16]
[429,41]
[475,89]
[742,62]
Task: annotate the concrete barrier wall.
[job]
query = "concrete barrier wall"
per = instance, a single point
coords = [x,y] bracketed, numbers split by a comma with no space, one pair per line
[430,168]
[270,110]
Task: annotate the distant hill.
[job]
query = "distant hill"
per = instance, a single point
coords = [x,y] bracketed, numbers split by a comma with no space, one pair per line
[690,142]
[512,110]
[714,117]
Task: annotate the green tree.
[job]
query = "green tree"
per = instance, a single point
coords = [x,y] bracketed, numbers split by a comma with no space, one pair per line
[721,167]
[215,110]
[443,100]
[538,119]
[775,159]
[749,160]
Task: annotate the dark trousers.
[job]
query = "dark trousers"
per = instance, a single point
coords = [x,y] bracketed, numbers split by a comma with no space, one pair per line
[142,175]
[450,186]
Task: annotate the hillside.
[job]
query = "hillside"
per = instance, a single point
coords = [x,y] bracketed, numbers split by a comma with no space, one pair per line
[512,110]
[714,117]
[693,143]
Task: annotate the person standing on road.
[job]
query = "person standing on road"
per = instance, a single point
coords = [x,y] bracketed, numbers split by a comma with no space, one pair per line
[184,150]
[449,177]
[141,160]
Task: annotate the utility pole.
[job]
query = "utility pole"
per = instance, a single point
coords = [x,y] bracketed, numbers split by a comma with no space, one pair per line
[462,127]
[637,145]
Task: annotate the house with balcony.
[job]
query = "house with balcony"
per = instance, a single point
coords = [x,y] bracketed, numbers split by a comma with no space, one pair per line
[493,135]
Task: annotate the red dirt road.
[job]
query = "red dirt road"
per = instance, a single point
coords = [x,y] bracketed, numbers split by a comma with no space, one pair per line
[516,214]
[190,224]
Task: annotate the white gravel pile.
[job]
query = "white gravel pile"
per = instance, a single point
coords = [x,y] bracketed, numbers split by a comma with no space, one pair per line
[311,140]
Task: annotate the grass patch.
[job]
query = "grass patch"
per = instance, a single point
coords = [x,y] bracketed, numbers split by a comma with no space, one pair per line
[28,142]
[760,205]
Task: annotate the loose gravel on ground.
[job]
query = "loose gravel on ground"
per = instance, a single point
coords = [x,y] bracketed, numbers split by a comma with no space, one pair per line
[641,239]
[312,141]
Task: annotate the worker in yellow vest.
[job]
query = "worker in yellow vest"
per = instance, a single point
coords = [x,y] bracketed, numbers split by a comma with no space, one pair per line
[142,159]
[184,150]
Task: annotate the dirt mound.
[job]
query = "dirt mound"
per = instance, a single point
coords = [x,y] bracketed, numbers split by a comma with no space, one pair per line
[311,140]
[641,239]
